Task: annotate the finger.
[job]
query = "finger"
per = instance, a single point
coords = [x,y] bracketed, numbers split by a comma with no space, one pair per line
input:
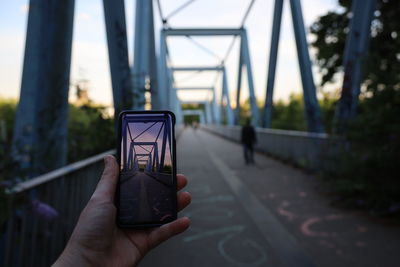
[184,199]
[182,181]
[159,235]
[105,189]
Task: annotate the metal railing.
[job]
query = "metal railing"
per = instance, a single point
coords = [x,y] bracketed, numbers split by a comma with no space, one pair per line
[41,213]
[311,151]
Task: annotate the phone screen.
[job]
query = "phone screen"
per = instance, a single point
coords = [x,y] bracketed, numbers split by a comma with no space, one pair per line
[147,182]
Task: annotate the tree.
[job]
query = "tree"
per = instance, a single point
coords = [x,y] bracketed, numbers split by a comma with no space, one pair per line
[90,131]
[381,67]
[366,171]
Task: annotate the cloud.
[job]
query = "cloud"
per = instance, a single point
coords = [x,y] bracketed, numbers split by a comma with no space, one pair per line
[24,8]
[11,54]
[83,17]
[92,57]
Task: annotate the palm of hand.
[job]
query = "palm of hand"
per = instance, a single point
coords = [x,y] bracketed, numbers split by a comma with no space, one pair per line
[99,242]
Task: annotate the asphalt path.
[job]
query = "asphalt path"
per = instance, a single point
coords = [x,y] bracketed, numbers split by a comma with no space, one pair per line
[268,214]
[144,198]
[222,232]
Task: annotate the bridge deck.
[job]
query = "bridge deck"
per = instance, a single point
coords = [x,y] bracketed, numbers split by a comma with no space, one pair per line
[269,214]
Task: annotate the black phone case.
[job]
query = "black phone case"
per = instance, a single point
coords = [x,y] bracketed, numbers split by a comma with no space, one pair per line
[174,185]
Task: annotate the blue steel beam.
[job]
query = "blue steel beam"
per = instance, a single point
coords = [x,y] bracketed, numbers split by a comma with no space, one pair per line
[206,68]
[225,92]
[215,113]
[195,112]
[196,68]
[247,62]
[145,62]
[152,155]
[166,138]
[355,51]
[202,31]
[173,97]
[125,131]
[207,109]
[194,102]
[239,85]
[194,88]
[40,130]
[313,113]
[215,32]
[273,54]
[212,115]
[114,13]
[161,97]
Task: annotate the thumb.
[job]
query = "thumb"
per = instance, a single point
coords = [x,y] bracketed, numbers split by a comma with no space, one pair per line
[106,187]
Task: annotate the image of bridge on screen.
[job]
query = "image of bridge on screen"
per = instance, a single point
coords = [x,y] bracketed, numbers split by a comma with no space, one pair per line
[146,169]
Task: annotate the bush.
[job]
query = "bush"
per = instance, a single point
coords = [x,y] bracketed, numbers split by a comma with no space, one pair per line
[366,174]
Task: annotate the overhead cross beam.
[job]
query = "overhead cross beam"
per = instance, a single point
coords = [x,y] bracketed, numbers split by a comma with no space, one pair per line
[244,61]
[195,88]
[204,68]
[202,31]
[208,116]
[211,117]
[195,112]
[225,90]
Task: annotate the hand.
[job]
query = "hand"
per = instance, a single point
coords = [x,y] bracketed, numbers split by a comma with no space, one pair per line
[97,241]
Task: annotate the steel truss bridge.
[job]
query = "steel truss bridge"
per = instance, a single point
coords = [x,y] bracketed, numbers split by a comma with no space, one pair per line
[41,129]
[40,133]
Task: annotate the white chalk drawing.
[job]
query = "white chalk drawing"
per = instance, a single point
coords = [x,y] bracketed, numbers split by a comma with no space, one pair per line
[261,259]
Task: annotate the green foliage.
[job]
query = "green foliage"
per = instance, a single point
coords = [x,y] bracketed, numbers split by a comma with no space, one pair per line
[328,106]
[367,168]
[7,115]
[90,131]
[189,119]
[381,67]
[365,173]
[289,116]
[167,169]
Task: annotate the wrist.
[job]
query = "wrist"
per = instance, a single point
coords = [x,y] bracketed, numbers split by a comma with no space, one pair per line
[72,256]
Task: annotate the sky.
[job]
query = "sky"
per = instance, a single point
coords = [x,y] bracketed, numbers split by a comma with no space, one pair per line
[89,50]
[148,132]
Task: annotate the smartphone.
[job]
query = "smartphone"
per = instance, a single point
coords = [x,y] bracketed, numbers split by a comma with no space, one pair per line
[146,192]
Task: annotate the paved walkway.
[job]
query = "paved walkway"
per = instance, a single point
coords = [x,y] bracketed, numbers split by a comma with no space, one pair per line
[145,196]
[269,214]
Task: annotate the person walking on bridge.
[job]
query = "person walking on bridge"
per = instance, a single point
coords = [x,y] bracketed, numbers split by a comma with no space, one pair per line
[248,139]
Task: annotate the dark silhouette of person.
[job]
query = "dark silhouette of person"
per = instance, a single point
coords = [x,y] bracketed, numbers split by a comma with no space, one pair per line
[248,139]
